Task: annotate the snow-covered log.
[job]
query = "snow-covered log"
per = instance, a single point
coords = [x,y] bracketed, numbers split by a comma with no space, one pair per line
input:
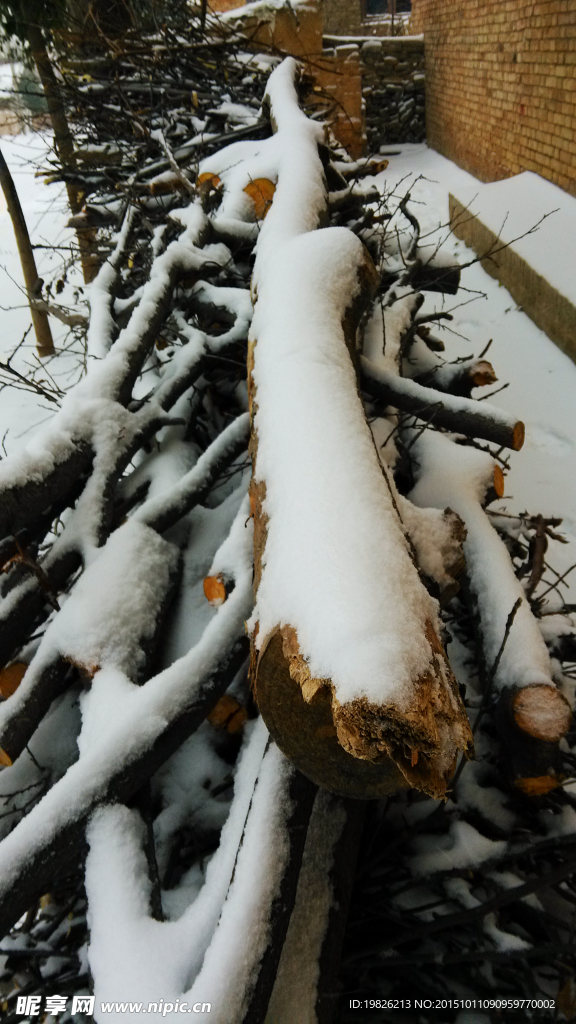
[448,411]
[341,619]
[458,378]
[151,722]
[533,714]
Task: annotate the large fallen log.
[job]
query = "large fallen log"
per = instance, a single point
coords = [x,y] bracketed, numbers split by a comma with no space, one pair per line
[362,636]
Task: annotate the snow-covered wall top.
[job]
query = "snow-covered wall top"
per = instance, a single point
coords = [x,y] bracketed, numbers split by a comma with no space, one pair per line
[511,207]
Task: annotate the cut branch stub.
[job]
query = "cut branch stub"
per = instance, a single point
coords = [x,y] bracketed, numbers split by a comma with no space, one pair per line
[541,712]
[261,192]
[532,720]
[11,677]
[217,589]
[463,415]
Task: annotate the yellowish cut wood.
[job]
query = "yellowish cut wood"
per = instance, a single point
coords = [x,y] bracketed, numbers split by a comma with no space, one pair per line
[228,714]
[542,712]
[261,192]
[11,677]
[215,590]
[538,786]
[306,734]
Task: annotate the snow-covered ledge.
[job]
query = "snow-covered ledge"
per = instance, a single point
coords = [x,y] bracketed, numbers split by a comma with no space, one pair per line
[537,269]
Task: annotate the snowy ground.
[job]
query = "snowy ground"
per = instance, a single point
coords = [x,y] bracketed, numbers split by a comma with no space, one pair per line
[542,379]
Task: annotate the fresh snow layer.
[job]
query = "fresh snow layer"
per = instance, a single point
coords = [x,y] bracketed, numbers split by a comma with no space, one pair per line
[542,379]
[133,957]
[336,567]
[454,476]
[512,206]
[140,714]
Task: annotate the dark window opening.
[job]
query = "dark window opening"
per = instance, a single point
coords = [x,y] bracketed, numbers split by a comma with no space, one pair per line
[375,7]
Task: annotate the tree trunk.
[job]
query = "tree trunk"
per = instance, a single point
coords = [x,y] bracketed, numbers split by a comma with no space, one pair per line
[44,342]
[63,143]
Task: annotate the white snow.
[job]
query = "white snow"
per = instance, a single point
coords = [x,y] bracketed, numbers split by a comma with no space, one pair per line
[511,207]
[455,476]
[208,954]
[542,378]
[141,715]
[462,847]
[359,608]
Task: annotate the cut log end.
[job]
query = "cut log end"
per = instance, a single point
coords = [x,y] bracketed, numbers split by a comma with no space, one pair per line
[538,786]
[482,374]
[208,179]
[542,712]
[498,482]
[306,734]
[518,437]
[215,590]
[359,749]
[261,192]
[228,714]
[11,677]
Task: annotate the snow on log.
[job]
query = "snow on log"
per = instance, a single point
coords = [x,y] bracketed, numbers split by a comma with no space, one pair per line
[347,666]
[241,963]
[119,751]
[458,378]
[93,414]
[167,508]
[436,537]
[533,714]
[452,412]
[127,952]
[113,621]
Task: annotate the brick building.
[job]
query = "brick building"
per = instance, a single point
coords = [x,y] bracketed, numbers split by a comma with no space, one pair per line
[361,17]
[501,85]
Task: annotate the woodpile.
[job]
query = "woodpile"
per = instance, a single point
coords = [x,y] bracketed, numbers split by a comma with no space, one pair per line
[213,673]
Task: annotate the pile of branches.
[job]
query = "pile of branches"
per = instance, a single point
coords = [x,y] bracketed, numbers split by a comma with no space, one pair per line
[219,863]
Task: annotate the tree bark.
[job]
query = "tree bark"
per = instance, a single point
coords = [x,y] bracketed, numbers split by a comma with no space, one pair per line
[44,342]
[63,142]
[465,416]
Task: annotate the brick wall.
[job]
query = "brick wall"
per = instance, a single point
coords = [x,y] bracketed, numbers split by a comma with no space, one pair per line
[392,72]
[346,18]
[501,85]
[342,17]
